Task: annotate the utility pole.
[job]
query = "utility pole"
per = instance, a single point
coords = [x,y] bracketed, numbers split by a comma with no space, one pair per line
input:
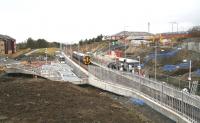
[148,27]
[79,52]
[177,27]
[125,44]
[46,55]
[66,49]
[172,23]
[189,78]
[125,41]
[60,46]
[109,48]
[139,67]
[71,50]
[155,60]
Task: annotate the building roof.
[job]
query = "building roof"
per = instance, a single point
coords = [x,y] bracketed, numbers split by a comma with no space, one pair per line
[5,37]
[127,33]
[128,60]
[139,37]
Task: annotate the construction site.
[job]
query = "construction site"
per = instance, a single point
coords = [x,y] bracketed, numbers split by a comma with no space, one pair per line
[99,61]
[126,77]
[24,96]
[166,58]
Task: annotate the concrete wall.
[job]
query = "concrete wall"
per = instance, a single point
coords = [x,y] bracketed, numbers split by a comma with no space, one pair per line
[130,92]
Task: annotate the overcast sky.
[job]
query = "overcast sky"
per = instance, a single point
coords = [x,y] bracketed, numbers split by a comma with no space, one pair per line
[72,20]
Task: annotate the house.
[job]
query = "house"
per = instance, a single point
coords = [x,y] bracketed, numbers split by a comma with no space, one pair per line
[139,38]
[120,36]
[7,45]
[129,35]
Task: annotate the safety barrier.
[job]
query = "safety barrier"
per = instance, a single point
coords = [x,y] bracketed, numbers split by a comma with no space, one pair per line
[184,104]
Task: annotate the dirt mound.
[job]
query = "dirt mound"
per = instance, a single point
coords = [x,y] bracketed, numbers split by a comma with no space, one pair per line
[26,100]
[138,51]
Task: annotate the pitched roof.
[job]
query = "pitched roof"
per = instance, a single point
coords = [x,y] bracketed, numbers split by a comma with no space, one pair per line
[5,37]
[127,33]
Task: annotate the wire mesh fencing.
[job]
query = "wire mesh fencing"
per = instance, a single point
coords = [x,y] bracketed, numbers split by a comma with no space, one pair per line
[185,104]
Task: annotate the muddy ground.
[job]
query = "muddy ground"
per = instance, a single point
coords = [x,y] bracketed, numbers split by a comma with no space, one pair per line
[27,100]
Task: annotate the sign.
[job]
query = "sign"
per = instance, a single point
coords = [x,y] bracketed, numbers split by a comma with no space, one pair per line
[114,43]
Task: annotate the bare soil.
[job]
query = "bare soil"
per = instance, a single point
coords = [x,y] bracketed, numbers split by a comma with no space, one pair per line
[25,100]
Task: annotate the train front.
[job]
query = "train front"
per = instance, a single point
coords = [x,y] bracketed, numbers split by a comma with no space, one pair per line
[86,60]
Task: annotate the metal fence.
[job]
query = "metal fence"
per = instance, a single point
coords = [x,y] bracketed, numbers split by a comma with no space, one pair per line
[185,104]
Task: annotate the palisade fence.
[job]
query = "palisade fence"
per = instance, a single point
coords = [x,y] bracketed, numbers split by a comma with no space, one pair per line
[183,103]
